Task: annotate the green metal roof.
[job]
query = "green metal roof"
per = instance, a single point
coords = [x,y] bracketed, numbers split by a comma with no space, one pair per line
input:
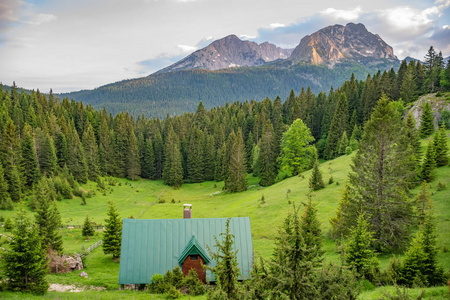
[157,245]
[193,248]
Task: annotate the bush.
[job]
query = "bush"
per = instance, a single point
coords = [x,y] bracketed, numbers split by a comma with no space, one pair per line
[172,293]
[161,201]
[331,180]
[8,224]
[157,284]
[194,284]
[174,277]
[348,150]
[441,186]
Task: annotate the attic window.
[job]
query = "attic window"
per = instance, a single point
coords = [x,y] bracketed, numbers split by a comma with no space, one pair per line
[194,257]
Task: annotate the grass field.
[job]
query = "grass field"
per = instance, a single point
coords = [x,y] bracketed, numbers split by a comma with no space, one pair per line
[139,198]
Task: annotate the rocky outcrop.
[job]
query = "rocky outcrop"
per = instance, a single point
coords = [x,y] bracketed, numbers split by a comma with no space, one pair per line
[438,105]
[334,43]
[65,263]
[230,52]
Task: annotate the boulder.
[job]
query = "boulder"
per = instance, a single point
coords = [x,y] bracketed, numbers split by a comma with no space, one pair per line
[83,274]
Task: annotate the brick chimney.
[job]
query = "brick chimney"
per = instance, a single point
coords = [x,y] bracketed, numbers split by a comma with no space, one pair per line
[187,211]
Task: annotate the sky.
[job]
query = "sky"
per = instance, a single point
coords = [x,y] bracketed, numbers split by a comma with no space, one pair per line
[70,45]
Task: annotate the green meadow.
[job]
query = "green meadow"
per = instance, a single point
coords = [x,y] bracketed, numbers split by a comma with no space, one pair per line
[145,199]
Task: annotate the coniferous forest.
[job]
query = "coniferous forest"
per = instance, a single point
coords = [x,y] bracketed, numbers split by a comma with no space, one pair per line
[49,146]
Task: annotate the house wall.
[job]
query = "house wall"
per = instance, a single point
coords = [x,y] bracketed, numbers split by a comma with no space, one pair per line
[189,264]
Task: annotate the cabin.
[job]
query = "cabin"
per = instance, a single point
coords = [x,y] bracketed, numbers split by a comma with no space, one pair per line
[158,245]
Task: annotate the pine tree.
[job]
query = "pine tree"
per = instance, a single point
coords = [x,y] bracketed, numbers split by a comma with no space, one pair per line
[46,153]
[133,167]
[209,155]
[359,253]
[316,181]
[379,181]
[338,125]
[173,170]
[25,263]
[440,147]
[61,148]
[428,164]
[29,163]
[158,147]
[91,152]
[8,225]
[345,216]
[76,161]
[256,165]
[343,143]
[408,89]
[218,169]
[297,154]
[48,218]
[148,169]
[268,156]
[312,234]
[87,229]
[226,270]
[426,121]
[112,237]
[195,158]
[423,203]
[14,185]
[236,180]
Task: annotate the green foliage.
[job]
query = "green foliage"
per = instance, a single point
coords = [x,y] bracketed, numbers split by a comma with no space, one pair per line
[343,143]
[174,277]
[339,125]
[426,121]
[24,264]
[440,147]
[157,284]
[88,229]
[379,181]
[8,224]
[297,154]
[423,203]
[236,180]
[345,216]
[29,163]
[112,236]
[193,283]
[5,199]
[173,170]
[316,181]
[428,167]
[359,254]
[226,271]
[268,156]
[48,218]
[172,293]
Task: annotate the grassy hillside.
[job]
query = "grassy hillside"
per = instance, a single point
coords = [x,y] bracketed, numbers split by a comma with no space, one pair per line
[144,199]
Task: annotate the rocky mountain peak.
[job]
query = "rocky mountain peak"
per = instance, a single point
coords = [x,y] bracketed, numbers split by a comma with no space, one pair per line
[229,52]
[334,43]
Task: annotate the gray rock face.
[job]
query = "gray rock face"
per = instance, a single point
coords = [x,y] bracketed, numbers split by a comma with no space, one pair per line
[75,262]
[230,52]
[337,42]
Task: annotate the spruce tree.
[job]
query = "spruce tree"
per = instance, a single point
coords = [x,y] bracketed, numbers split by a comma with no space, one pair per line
[426,121]
[8,225]
[343,143]
[112,237]
[61,148]
[268,156]
[91,152]
[76,161]
[345,216]
[359,253]
[218,168]
[440,147]
[256,164]
[48,218]
[316,181]
[173,170]
[25,263]
[209,155]
[29,163]
[236,180]
[226,270]
[87,229]
[148,160]
[133,167]
[47,154]
[338,125]
[423,203]
[379,181]
[195,156]
[158,148]
[312,234]
[429,164]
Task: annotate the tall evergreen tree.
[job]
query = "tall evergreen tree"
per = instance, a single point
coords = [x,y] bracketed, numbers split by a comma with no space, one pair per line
[46,153]
[195,156]
[440,147]
[87,229]
[408,89]
[76,162]
[29,163]
[359,253]
[112,237]
[91,152]
[316,181]
[148,169]
[48,218]
[158,147]
[61,148]
[133,167]
[209,155]
[423,203]
[427,121]
[173,170]
[429,163]
[343,143]
[312,234]
[379,178]
[236,180]
[25,263]
[5,199]
[268,156]
[339,124]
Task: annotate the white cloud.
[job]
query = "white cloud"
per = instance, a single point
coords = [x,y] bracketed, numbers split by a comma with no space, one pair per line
[276,25]
[247,37]
[347,15]
[9,11]
[39,19]
[186,48]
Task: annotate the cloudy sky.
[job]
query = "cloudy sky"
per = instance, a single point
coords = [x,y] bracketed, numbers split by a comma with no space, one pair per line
[70,45]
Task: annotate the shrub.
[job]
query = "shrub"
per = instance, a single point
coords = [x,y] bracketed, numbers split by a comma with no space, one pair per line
[331,180]
[348,150]
[173,293]
[194,284]
[174,277]
[8,224]
[157,284]
[441,186]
